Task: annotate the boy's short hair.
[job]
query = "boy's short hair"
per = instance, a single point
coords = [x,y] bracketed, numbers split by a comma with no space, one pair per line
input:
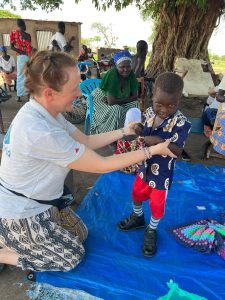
[169,82]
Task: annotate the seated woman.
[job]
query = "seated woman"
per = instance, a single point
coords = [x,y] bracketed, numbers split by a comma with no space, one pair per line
[7,67]
[210,111]
[218,135]
[115,96]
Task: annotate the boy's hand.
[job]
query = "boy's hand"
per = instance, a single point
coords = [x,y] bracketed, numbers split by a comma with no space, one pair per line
[135,128]
[153,140]
[139,129]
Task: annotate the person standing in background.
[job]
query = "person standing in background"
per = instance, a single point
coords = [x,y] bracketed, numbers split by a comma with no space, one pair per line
[20,42]
[58,41]
[7,67]
[138,60]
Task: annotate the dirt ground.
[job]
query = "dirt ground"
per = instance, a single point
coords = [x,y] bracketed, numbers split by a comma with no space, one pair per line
[13,282]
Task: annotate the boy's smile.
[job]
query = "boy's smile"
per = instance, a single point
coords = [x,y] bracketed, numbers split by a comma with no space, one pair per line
[165,104]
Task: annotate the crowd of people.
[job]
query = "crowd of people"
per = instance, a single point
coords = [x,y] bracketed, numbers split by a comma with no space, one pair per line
[35,217]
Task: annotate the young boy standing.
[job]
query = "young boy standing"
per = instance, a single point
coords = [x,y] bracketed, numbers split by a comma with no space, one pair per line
[162,121]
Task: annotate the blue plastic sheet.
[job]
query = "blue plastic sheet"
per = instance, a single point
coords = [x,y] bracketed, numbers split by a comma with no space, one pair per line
[114,267]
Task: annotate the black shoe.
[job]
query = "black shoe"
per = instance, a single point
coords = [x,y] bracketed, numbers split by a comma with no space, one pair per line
[132,222]
[149,247]
[18,99]
[185,156]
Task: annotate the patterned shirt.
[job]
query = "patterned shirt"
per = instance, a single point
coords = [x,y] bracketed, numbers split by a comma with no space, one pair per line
[159,170]
[20,43]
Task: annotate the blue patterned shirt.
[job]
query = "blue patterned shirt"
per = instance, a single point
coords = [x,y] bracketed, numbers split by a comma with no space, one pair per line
[159,170]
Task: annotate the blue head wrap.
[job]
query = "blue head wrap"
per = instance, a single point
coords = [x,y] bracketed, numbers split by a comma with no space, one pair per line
[122,56]
[3,48]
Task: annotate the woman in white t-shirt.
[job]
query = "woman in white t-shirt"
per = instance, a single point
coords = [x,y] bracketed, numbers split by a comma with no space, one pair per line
[38,231]
[7,66]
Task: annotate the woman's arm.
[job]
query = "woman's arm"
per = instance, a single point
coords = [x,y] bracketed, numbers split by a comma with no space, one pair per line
[101,140]
[94,163]
[155,140]
[112,100]
[17,50]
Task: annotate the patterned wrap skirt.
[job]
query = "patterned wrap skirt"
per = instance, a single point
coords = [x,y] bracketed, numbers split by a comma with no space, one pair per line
[49,241]
[218,135]
[108,117]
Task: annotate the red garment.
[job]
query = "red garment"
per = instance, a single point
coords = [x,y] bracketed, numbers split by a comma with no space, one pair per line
[141,191]
[19,43]
[128,146]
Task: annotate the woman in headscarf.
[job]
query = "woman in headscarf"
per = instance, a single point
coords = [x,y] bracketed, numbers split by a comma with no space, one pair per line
[115,96]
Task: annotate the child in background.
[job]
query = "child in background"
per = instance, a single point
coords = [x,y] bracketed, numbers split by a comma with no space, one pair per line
[162,121]
[126,145]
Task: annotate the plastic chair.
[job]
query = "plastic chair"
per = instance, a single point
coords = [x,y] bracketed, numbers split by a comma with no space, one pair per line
[87,87]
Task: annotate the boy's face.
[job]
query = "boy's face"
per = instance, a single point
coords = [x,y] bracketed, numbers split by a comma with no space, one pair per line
[165,104]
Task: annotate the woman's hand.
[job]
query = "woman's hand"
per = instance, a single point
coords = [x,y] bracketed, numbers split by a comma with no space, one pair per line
[162,149]
[134,128]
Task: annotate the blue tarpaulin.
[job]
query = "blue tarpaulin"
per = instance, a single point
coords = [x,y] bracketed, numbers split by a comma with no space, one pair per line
[114,267]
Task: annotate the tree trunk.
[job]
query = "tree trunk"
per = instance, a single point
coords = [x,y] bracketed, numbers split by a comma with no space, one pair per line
[183,31]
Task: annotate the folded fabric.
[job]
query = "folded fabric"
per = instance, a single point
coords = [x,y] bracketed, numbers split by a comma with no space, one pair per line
[205,236]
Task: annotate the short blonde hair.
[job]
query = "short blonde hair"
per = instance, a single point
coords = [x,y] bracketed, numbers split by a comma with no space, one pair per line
[47,68]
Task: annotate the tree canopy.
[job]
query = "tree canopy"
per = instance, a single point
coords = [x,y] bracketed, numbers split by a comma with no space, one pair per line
[183,27]
[151,7]
[7,14]
[48,5]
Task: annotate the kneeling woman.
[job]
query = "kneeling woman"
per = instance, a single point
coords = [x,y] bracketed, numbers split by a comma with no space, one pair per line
[37,230]
[116,95]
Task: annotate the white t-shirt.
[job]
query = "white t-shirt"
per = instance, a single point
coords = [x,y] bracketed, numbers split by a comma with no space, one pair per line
[212,102]
[7,65]
[36,152]
[61,40]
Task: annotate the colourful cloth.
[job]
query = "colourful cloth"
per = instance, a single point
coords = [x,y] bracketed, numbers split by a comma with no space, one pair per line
[20,43]
[205,236]
[122,56]
[123,146]
[111,84]
[49,241]
[128,146]
[218,136]
[108,117]
[159,171]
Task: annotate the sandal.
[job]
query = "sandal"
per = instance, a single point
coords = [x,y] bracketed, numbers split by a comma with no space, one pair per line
[132,222]
[149,247]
